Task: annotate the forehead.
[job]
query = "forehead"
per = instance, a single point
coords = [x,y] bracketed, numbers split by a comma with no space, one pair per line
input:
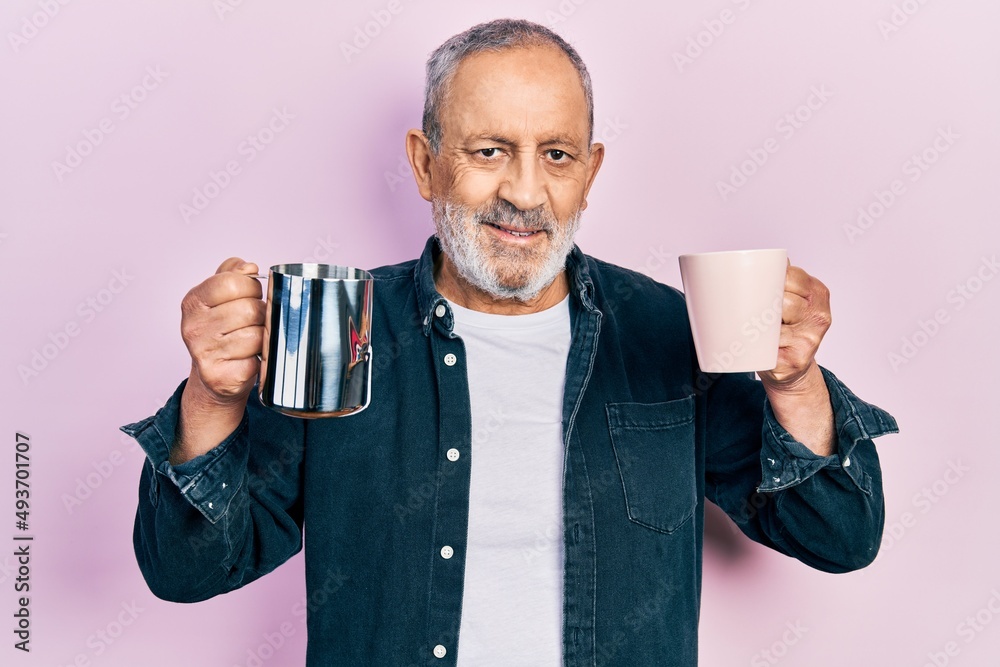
[521,90]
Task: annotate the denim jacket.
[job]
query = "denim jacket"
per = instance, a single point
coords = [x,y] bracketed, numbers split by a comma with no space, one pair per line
[647,438]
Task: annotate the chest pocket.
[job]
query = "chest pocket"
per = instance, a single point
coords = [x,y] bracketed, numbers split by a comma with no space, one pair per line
[654,448]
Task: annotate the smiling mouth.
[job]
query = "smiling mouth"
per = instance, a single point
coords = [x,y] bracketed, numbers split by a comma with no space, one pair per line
[520,233]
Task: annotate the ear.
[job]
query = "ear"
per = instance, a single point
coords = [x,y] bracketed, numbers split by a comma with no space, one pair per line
[418,151]
[594,161]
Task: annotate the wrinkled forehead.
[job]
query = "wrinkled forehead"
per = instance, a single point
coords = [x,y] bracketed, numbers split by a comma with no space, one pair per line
[533,87]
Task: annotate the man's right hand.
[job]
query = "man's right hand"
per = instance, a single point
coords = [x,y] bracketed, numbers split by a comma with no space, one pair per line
[222,324]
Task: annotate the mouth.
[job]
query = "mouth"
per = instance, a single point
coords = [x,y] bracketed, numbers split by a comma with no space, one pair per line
[513,231]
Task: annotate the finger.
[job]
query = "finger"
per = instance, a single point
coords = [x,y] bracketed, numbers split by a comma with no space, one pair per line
[793,308]
[242,343]
[798,281]
[230,378]
[787,338]
[235,264]
[234,315]
[227,286]
[248,268]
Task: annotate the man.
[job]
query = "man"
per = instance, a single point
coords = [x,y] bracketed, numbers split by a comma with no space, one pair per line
[527,486]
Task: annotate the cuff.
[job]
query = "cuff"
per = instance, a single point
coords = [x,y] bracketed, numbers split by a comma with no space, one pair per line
[210,481]
[786,462]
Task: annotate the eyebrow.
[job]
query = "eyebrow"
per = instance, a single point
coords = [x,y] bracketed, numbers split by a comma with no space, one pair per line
[557,140]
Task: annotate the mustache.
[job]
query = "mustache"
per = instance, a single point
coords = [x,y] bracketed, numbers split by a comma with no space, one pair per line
[501,212]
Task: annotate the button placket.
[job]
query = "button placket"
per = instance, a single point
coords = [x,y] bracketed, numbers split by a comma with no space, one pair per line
[451,508]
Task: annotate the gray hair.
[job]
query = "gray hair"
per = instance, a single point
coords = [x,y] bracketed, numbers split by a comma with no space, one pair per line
[492,36]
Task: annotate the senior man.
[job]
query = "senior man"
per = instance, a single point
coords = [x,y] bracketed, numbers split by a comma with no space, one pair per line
[527,486]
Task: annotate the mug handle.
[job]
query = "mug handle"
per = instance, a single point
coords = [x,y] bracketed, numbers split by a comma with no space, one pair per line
[260,277]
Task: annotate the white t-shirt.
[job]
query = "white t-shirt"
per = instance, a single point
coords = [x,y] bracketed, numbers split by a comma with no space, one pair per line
[512,605]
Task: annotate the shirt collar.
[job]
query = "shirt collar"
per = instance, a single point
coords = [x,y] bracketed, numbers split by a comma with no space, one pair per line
[428,298]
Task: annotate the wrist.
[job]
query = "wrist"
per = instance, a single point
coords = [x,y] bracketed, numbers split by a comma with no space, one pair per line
[803,408]
[204,420]
[807,382]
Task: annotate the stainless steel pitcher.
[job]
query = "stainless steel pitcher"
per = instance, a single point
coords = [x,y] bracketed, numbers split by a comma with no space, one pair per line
[316,359]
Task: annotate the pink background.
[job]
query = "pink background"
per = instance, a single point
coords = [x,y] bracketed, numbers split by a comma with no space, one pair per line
[326,189]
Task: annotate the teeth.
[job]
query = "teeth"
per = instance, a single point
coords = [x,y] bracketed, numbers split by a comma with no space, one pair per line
[511,231]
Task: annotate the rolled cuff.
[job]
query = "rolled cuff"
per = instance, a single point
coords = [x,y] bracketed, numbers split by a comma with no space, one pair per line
[786,462]
[209,481]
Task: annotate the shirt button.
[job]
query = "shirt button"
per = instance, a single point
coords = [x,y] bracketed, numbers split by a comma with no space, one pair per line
[453,454]
[440,310]
[450,359]
[440,651]
[447,552]
[847,461]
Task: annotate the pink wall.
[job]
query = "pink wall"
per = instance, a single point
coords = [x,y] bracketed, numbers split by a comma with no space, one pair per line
[904,123]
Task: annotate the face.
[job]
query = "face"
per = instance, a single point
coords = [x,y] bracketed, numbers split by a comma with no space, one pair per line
[513,171]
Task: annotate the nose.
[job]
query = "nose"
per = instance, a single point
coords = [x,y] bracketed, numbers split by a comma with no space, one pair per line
[523,184]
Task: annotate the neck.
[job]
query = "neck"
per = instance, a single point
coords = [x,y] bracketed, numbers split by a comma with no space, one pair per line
[458,290]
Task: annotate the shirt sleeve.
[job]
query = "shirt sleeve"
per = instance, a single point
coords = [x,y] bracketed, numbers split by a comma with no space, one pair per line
[827,511]
[222,519]
[786,462]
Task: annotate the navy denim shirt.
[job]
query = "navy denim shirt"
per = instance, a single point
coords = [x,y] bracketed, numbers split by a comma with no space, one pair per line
[647,439]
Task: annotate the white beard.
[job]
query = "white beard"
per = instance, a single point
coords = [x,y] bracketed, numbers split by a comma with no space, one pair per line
[503,272]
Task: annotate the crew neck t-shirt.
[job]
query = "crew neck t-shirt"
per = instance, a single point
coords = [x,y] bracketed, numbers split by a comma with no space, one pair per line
[512,602]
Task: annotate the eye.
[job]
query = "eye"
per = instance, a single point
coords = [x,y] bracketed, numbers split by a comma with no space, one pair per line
[557,155]
[488,152]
